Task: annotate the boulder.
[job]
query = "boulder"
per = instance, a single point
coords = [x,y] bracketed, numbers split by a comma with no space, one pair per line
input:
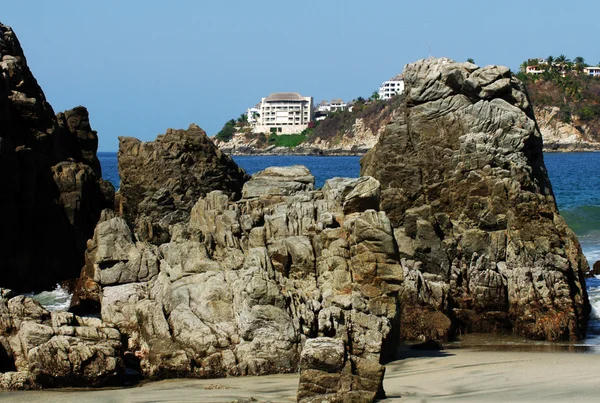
[59,349]
[464,184]
[595,271]
[279,181]
[328,374]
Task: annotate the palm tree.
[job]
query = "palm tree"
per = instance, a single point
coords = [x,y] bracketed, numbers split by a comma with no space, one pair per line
[524,66]
[550,61]
[471,60]
[375,96]
[579,63]
[561,59]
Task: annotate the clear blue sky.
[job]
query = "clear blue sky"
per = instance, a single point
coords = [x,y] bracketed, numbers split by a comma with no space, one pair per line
[141,66]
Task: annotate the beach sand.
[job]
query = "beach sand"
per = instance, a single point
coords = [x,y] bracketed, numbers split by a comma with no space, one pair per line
[457,375]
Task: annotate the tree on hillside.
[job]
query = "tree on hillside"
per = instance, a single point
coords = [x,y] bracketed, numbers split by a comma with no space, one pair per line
[374,96]
[550,61]
[227,131]
[471,60]
[524,66]
[562,59]
[579,64]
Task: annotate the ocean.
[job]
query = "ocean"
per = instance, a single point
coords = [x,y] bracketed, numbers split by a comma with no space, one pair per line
[574,176]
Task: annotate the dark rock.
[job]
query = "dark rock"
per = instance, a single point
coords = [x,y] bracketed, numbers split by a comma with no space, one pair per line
[51,191]
[428,345]
[595,270]
[464,184]
[161,180]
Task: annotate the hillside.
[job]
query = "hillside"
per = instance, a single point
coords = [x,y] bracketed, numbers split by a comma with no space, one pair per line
[567,109]
[341,133]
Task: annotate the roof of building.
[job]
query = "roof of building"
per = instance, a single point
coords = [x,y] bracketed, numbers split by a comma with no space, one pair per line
[337,101]
[284,96]
[323,103]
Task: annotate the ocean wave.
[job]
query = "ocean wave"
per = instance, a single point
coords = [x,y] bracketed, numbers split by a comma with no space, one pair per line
[58,299]
[583,220]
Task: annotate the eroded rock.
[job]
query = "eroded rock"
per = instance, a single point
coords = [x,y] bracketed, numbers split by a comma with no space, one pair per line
[464,184]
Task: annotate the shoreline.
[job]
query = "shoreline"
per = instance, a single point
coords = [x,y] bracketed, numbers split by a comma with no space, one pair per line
[455,374]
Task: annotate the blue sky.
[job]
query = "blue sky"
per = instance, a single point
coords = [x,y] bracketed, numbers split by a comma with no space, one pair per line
[141,67]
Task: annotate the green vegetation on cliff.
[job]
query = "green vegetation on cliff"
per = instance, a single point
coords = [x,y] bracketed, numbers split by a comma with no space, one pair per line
[576,94]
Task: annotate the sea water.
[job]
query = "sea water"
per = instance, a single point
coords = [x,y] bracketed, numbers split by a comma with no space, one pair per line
[574,177]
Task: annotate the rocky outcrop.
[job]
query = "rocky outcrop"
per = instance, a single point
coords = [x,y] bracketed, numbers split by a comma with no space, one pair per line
[41,349]
[51,191]
[463,181]
[329,375]
[240,287]
[161,180]
[561,136]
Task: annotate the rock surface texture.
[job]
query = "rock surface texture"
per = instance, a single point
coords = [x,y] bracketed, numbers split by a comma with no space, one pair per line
[161,180]
[40,349]
[242,285]
[51,191]
[463,181]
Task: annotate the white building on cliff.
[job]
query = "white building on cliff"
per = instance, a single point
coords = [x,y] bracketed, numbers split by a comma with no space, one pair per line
[284,113]
[392,87]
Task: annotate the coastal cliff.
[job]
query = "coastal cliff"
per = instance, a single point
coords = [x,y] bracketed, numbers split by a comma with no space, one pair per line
[567,111]
[341,133]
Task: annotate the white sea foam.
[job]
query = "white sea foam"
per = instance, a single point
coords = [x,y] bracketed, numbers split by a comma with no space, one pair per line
[56,300]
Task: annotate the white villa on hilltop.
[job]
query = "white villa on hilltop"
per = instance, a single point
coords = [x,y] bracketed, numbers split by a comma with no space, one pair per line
[593,71]
[392,87]
[282,113]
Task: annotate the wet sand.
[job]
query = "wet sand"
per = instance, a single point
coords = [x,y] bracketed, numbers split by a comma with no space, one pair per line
[457,375]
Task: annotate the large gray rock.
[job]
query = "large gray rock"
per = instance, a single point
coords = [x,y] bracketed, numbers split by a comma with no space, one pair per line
[243,285]
[464,184]
[279,181]
[161,180]
[59,349]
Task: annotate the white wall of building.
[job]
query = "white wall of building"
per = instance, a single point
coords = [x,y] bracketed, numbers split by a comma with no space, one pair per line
[390,88]
[284,113]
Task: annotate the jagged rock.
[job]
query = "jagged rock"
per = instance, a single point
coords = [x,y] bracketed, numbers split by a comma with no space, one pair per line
[328,374]
[243,284]
[50,179]
[58,349]
[353,194]
[595,270]
[279,181]
[464,184]
[161,180]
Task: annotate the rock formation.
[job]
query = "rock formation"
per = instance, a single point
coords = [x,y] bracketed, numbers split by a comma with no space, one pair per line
[51,192]
[161,180]
[240,286]
[464,184]
[43,349]
[561,136]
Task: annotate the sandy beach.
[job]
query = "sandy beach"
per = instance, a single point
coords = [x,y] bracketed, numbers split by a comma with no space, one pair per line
[459,375]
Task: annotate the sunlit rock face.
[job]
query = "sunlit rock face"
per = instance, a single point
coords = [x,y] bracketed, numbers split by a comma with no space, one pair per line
[463,180]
